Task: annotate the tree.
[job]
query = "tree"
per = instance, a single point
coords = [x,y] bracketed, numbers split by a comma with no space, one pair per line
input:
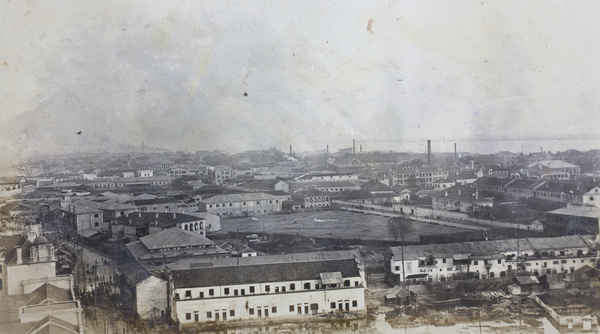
[400,228]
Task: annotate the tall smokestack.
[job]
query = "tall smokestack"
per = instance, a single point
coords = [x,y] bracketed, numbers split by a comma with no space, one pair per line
[360,148]
[327,148]
[353,146]
[290,149]
[455,155]
[429,152]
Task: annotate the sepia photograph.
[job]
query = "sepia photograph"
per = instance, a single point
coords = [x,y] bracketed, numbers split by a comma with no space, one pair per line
[309,167]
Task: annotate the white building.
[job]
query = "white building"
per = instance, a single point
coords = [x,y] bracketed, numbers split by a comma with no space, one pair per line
[266,289]
[490,259]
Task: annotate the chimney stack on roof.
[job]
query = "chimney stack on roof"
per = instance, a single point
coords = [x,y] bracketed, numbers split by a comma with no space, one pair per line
[174,215]
[156,215]
[19,255]
[139,214]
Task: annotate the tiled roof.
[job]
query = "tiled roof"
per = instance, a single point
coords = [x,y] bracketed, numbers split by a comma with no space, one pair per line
[465,175]
[375,186]
[261,273]
[163,219]
[525,184]
[479,248]
[240,197]
[324,184]
[578,211]
[310,193]
[274,259]
[49,292]
[553,164]
[559,242]
[564,187]
[152,201]
[494,181]
[175,237]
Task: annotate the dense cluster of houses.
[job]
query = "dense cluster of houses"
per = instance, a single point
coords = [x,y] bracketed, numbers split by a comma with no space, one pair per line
[173,270]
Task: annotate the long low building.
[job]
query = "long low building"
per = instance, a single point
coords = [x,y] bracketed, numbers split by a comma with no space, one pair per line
[267,289]
[489,259]
[242,204]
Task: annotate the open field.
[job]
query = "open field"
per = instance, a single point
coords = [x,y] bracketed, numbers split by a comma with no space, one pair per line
[330,224]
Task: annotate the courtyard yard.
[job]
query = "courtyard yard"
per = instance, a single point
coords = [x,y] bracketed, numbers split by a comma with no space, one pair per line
[330,224]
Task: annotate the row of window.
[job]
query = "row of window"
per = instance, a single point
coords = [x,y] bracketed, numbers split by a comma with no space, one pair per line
[243,203]
[276,289]
[261,311]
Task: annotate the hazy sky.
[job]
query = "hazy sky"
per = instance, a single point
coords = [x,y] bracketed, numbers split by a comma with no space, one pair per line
[239,75]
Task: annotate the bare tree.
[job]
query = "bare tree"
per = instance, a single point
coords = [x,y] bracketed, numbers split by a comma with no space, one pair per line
[400,228]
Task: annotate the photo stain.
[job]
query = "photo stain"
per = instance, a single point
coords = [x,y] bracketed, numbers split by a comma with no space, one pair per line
[245,94]
[369,26]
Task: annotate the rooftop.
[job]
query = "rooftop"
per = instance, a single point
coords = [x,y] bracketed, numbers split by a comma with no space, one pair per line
[175,238]
[262,273]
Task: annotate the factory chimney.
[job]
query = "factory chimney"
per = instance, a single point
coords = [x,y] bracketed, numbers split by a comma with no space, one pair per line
[360,148]
[353,146]
[429,152]
[290,149]
[455,155]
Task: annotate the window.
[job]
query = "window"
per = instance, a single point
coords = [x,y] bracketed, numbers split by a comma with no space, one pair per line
[397,268]
[188,316]
[499,261]
[230,204]
[332,305]
[257,202]
[176,296]
[96,215]
[251,311]
[201,294]
[188,293]
[243,292]
[226,291]
[243,203]
[232,313]
[292,287]
[443,260]
[306,286]
[276,289]
[211,292]
[354,303]
[355,283]
[209,314]
[0,283]
[475,262]
[235,292]
[251,289]
[96,224]
[291,308]
[267,288]
[347,283]
[274,309]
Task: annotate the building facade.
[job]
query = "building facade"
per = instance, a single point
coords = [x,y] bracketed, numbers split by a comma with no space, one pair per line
[273,290]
